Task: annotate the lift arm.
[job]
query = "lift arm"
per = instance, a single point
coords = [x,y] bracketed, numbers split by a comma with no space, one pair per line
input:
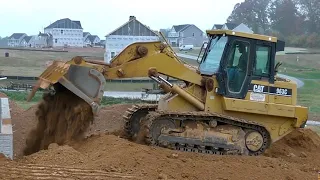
[87,78]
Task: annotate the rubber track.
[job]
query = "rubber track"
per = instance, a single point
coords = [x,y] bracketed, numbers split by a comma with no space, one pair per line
[204,116]
[131,111]
[12,170]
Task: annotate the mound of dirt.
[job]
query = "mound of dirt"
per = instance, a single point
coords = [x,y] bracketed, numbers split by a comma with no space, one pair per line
[113,154]
[61,118]
[300,146]
[63,155]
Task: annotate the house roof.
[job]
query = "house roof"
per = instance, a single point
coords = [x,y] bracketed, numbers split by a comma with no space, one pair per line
[44,34]
[232,25]
[133,27]
[218,26]
[85,34]
[27,38]
[65,23]
[17,35]
[179,28]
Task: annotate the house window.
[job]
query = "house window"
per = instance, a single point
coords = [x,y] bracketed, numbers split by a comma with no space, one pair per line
[192,34]
[61,31]
[56,40]
[113,54]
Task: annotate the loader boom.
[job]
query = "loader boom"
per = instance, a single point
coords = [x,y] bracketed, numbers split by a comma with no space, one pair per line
[142,59]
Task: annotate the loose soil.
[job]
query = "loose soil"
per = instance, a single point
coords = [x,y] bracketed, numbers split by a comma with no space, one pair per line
[107,156]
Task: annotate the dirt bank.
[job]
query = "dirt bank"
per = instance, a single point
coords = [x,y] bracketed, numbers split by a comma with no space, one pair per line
[297,156]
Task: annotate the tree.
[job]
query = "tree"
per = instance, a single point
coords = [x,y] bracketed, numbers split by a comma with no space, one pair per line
[253,13]
[311,9]
[285,18]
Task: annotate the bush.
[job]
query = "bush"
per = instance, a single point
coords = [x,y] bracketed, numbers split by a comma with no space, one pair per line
[310,41]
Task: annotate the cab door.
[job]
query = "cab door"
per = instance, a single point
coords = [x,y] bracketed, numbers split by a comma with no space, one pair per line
[237,68]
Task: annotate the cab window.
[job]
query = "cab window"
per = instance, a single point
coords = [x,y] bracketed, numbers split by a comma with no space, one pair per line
[262,61]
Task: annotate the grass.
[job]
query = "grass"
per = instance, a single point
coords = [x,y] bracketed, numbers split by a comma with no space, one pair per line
[307,68]
[309,95]
[32,63]
[20,99]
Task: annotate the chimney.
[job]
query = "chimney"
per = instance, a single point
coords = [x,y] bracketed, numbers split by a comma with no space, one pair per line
[131,17]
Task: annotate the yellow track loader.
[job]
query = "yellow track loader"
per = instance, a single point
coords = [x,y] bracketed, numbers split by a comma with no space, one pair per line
[232,103]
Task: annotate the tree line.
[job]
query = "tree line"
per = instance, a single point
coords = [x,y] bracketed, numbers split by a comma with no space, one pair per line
[295,21]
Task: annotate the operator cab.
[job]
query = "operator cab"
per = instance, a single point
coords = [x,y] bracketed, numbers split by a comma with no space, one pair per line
[236,58]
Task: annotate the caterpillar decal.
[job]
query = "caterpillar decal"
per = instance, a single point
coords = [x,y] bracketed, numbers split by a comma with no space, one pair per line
[271,90]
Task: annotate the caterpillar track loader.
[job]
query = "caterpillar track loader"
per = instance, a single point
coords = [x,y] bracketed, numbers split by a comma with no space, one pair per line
[232,103]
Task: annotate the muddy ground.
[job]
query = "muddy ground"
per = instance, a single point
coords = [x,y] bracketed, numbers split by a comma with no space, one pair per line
[103,156]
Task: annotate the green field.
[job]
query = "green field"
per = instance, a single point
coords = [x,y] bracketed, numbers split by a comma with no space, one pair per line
[32,63]
[20,99]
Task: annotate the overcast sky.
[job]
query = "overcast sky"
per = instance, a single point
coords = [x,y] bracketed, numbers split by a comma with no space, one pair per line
[100,17]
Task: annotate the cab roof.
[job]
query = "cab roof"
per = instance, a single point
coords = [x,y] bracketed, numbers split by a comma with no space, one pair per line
[242,34]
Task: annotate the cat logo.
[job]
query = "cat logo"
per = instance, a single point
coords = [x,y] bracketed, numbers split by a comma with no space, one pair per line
[258,88]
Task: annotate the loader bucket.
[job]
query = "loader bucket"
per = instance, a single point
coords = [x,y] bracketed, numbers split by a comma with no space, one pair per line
[84,81]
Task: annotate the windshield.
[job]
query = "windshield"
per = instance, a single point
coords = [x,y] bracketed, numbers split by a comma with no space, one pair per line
[211,60]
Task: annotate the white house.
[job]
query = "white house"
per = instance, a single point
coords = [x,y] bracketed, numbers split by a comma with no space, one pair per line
[66,32]
[17,40]
[130,32]
[91,40]
[31,41]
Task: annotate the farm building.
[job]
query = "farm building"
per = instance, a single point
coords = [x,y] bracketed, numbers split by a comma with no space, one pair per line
[130,32]
[66,32]
[186,34]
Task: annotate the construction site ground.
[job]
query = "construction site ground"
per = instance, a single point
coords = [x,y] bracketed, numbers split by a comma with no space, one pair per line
[105,155]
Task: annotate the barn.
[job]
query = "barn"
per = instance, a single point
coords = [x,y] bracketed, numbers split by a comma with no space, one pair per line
[130,32]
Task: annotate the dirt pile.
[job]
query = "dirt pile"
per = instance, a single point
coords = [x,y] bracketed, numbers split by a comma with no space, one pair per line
[61,118]
[110,153]
[297,156]
[55,154]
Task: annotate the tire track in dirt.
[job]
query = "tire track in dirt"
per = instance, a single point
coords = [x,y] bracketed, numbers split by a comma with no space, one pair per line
[11,170]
